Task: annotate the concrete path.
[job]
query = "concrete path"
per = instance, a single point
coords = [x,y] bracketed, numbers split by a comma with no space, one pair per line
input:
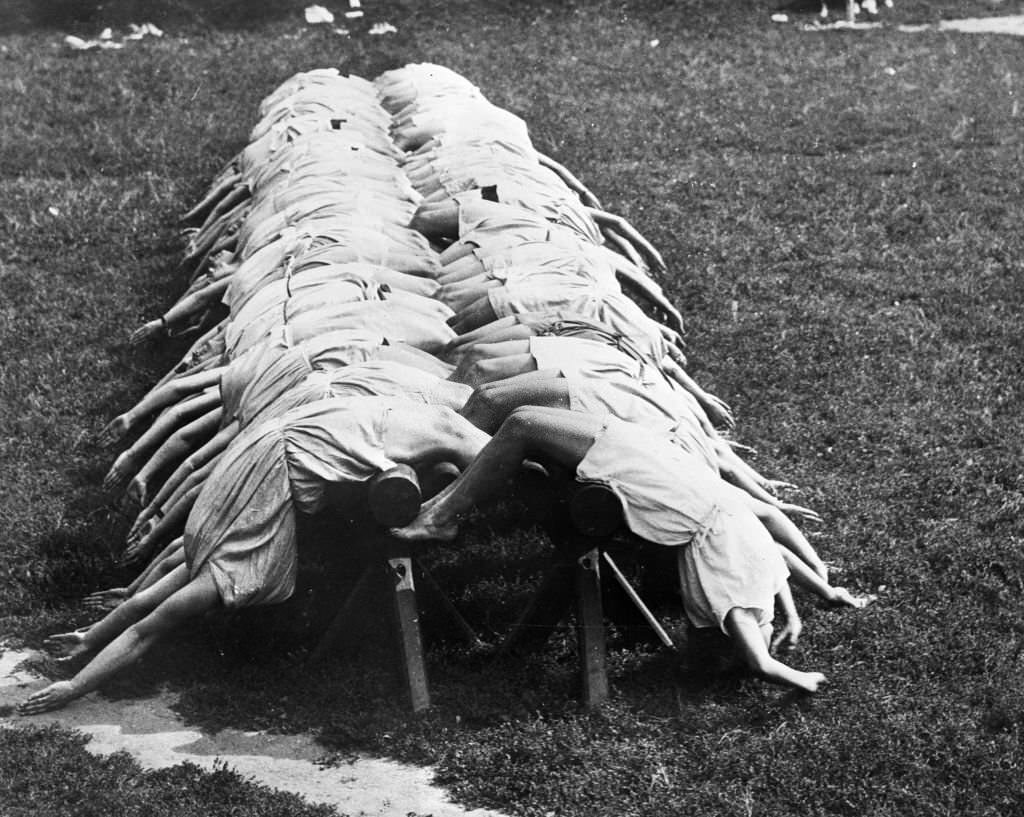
[153,734]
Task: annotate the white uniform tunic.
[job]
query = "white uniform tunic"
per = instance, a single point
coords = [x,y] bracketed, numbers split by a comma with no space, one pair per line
[669,497]
[242,527]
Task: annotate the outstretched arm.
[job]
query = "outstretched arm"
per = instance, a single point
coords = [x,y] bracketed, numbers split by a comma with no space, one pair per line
[735,470]
[190,599]
[187,307]
[570,180]
[163,428]
[635,277]
[163,564]
[806,578]
[788,635]
[782,529]
[605,219]
[159,397]
[717,410]
[189,466]
[222,186]
[165,526]
[179,445]
[742,626]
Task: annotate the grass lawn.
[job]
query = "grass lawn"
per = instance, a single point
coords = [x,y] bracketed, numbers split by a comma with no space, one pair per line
[841,213]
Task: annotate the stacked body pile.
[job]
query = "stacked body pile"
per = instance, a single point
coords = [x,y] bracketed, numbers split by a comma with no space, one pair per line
[390,273]
[306,240]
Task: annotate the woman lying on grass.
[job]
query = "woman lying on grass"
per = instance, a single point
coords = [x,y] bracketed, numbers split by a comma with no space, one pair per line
[732,573]
[240,538]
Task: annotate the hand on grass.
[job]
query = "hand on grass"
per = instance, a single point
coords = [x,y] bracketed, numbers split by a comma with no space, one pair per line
[798,510]
[841,597]
[105,600]
[785,640]
[52,697]
[773,486]
[66,644]
[718,411]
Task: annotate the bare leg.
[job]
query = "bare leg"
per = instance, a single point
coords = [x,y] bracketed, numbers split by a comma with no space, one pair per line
[491,403]
[489,370]
[435,221]
[562,436]
[180,599]
[476,315]
[456,251]
[483,334]
[465,266]
[746,633]
[461,295]
[407,282]
[485,362]
[513,333]
[428,434]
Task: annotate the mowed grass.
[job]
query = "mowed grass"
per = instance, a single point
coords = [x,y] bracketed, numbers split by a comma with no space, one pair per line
[841,215]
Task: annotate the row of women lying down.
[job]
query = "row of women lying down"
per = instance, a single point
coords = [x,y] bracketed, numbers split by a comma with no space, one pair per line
[352,345]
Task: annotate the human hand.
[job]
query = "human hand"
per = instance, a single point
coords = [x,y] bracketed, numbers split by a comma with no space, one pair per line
[146,332]
[798,510]
[718,411]
[114,430]
[105,600]
[119,472]
[786,638]
[841,597]
[54,696]
[66,645]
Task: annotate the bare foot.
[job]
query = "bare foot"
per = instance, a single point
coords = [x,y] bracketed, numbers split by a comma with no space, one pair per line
[67,645]
[54,696]
[841,597]
[426,528]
